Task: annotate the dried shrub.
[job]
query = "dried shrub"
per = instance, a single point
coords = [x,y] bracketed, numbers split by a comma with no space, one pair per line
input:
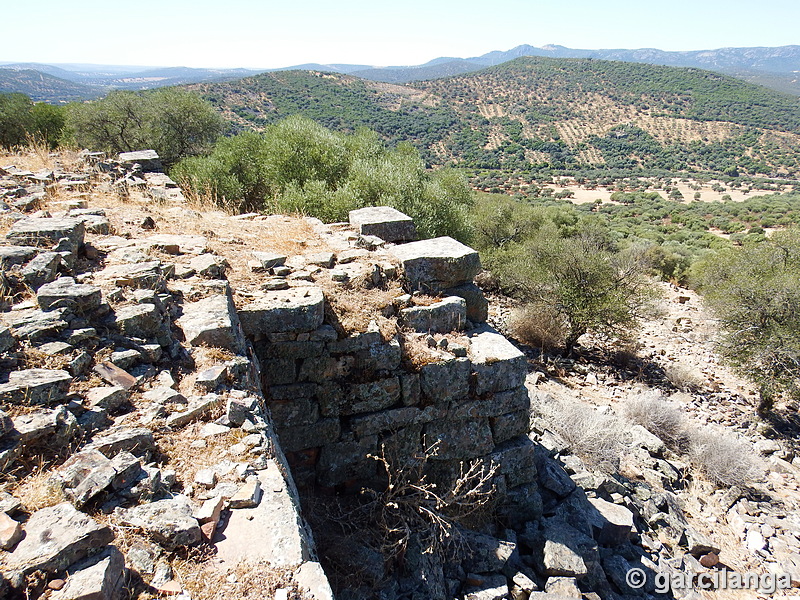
[684,378]
[415,351]
[537,325]
[724,459]
[412,507]
[596,436]
[661,418]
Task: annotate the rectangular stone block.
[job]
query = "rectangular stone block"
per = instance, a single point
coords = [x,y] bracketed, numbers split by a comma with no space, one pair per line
[387,420]
[212,322]
[492,405]
[47,232]
[295,310]
[445,316]
[410,389]
[342,461]
[498,365]
[292,391]
[383,356]
[386,222]
[355,342]
[372,396]
[505,427]
[35,386]
[445,381]
[291,413]
[289,350]
[324,431]
[516,460]
[279,371]
[436,264]
[459,439]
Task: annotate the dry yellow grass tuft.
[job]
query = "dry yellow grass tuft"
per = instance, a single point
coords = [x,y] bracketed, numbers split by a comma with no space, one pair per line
[35,491]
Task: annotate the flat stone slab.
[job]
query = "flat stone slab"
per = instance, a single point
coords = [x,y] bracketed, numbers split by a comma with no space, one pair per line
[64,292]
[437,264]
[498,364]
[46,231]
[295,310]
[35,386]
[440,317]
[55,538]
[147,159]
[178,244]
[16,255]
[279,538]
[98,577]
[385,222]
[169,522]
[612,523]
[212,322]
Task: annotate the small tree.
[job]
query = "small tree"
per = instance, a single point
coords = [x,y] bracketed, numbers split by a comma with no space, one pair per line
[755,291]
[582,279]
[15,119]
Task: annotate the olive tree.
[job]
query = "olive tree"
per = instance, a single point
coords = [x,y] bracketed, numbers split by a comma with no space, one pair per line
[755,292]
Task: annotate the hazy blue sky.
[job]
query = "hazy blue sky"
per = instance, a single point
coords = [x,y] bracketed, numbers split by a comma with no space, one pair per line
[243,33]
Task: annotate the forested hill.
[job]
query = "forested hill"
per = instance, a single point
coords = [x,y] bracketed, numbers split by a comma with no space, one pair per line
[538,111]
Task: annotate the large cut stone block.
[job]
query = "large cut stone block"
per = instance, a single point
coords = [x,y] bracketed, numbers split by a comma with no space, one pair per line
[437,264]
[148,160]
[295,310]
[444,381]
[498,365]
[47,232]
[169,522]
[440,317]
[459,439]
[213,322]
[477,304]
[385,222]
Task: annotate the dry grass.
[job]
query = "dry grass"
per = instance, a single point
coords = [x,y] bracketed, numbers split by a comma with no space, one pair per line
[35,491]
[244,582]
[416,352]
[356,304]
[537,325]
[33,358]
[661,418]
[186,460]
[723,458]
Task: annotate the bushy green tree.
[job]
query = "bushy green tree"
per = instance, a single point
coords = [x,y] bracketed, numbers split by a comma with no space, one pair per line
[755,292]
[15,119]
[173,122]
[298,166]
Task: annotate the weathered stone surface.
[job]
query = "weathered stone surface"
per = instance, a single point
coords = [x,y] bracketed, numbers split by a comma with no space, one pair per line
[35,386]
[295,310]
[169,522]
[563,587]
[387,420]
[553,477]
[343,461]
[111,373]
[64,292]
[505,427]
[36,325]
[34,426]
[42,269]
[486,554]
[437,264]
[139,320]
[492,406]
[491,587]
[561,550]
[324,431]
[498,365]
[46,232]
[372,396]
[143,275]
[385,222]
[15,255]
[291,413]
[279,539]
[447,315]
[110,398]
[248,496]
[312,580]
[212,322]
[477,304]
[83,476]
[7,341]
[268,260]
[99,577]
[211,378]
[612,523]
[55,538]
[516,460]
[136,440]
[459,439]
[197,408]
[209,265]
[10,532]
[148,160]
[444,381]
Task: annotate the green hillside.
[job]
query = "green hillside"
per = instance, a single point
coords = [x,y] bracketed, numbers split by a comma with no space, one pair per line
[547,113]
[41,87]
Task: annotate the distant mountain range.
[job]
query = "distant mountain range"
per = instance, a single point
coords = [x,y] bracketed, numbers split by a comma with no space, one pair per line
[778,68]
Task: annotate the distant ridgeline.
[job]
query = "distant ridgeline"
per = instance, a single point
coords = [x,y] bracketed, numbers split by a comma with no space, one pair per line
[538,113]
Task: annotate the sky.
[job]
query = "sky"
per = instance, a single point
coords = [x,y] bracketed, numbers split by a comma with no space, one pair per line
[269,34]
